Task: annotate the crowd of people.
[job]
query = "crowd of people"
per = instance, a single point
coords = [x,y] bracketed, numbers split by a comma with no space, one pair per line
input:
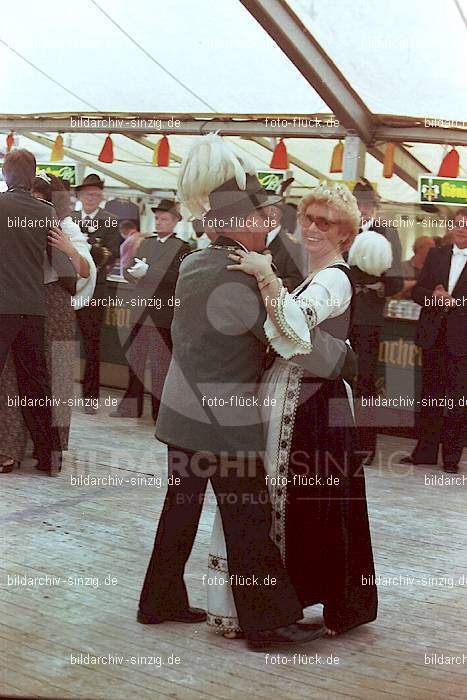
[258,371]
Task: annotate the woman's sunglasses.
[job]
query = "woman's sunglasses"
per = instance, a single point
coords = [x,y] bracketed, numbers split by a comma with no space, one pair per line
[321,222]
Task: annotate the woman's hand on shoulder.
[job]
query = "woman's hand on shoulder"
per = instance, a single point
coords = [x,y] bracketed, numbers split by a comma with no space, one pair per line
[59,239]
[255,264]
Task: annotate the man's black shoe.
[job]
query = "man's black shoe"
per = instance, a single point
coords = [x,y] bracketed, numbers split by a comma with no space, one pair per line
[90,410]
[53,465]
[451,468]
[124,413]
[191,615]
[410,460]
[292,634]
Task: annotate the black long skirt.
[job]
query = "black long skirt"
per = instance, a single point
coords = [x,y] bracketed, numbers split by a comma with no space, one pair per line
[328,552]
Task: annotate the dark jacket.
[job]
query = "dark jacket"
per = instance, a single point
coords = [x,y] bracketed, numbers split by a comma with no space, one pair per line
[432,318]
[369,305]
[159,282]
[218,357]
[105,235]
[288,257]
[24,225]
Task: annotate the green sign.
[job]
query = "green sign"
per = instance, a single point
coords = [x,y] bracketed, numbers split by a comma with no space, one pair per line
[442,190]
[271,179]
[66,171]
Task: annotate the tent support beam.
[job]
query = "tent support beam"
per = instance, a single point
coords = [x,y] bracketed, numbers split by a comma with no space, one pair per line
[236,126]
[302,49]
[87,161]
[354,158]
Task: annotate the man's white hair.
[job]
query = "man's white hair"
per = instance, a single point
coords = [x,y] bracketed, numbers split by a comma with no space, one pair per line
[210,162]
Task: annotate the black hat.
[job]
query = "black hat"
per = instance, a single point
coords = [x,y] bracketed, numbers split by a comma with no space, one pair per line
[168,205]
[364,191]
[91,180]
[229,200]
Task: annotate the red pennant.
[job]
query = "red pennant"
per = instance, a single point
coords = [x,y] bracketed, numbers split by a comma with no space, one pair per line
[163,152]
[450,164]
[10,140]
[280,158]
[107,153]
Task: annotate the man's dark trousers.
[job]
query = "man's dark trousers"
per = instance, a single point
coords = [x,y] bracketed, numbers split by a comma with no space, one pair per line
[90,321]
[23,336]
[245,508]
[444,376]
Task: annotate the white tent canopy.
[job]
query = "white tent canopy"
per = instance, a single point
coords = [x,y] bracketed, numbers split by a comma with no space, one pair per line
[111,56]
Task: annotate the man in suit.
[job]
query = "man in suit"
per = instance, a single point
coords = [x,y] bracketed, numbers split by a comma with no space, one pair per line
[368,318]
[213,430]
[101,229]
[441,291]
[153,272]
[24,225]
[286,249]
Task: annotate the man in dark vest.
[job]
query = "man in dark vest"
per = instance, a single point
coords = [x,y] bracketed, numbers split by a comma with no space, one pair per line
[441,291]
[101,229]
[24,225]
[153,273]
[218,353]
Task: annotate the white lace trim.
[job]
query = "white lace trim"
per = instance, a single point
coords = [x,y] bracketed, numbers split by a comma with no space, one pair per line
[287,330]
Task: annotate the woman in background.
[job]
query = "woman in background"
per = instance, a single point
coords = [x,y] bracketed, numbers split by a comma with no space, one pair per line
[59,327]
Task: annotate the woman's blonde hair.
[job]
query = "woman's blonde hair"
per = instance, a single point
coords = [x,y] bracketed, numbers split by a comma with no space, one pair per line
[341,199]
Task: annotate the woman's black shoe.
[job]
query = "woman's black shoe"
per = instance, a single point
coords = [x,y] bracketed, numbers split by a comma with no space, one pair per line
[7,465]
[190,615]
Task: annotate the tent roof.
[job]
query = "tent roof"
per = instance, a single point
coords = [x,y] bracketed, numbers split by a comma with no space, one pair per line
[213,60]
[110,55]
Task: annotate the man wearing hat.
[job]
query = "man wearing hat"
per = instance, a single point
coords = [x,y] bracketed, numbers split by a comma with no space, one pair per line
[154,272]
[285,248]
[369,309]
[207,416]
[101,230]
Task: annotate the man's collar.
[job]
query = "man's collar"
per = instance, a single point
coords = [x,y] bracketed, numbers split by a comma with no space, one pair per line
[273,233]
[225,242]
[158,238]
[459,251]
[89,216]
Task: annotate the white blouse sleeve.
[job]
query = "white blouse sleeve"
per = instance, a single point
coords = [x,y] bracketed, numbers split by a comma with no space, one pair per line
[328,295]
[85,285]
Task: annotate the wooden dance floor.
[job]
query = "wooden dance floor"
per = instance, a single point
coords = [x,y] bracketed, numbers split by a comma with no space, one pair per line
[74,554]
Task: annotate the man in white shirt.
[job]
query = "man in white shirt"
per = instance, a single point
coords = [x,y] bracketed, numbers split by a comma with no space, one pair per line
[442,334]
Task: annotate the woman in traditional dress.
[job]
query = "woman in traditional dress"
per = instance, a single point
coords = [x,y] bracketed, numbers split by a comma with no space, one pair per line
[59,328]
[317,484]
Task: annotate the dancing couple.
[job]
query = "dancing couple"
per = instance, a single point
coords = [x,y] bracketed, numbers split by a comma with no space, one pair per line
[299,544]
